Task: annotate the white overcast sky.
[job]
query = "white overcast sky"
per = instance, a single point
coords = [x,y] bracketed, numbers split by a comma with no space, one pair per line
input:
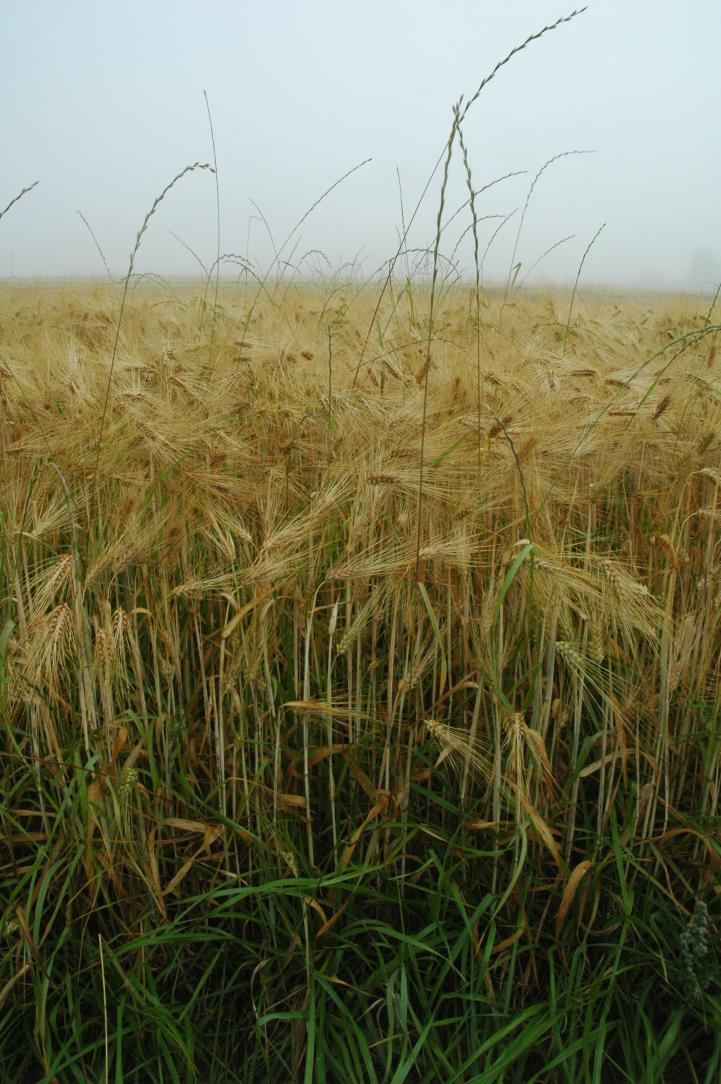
[103,104]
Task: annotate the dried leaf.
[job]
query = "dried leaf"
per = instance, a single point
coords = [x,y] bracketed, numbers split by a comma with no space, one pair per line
[569,892]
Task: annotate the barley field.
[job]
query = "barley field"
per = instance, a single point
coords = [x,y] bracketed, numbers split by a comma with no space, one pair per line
[359,670]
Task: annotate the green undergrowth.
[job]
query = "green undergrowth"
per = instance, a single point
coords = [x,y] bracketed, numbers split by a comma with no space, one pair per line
[435,952]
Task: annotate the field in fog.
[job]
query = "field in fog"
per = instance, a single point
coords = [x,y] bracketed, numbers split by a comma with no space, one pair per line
[360,684]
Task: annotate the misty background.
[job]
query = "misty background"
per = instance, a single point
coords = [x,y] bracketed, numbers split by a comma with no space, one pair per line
[103,104]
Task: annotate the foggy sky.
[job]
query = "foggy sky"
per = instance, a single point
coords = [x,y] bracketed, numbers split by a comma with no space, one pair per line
[103,104]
